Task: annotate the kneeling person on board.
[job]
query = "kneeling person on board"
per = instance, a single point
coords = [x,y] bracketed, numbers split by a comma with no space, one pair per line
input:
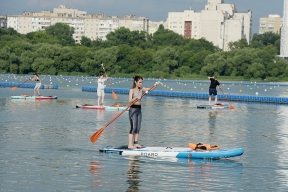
[212,88]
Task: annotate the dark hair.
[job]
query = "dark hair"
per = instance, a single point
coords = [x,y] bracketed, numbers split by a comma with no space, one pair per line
[100,74]
[135,79]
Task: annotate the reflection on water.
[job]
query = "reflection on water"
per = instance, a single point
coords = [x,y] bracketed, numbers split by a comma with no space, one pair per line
[33,135]
[95,170]
[133,174]
[283,150]
[212,121]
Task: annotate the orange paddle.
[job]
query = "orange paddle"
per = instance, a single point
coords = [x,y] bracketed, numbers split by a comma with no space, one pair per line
[231,106]
[113,94]
[98,133]
[15,87]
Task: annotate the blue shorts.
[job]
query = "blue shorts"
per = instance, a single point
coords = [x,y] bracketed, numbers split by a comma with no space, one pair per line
[212,91]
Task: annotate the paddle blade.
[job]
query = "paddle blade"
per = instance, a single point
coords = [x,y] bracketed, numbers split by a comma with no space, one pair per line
[114,95]
[96,135]
[14,88]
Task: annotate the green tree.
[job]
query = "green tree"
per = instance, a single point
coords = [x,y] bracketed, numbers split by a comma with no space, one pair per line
[241,44]
[166,60]
[41,37]
[63,32]
[166,37]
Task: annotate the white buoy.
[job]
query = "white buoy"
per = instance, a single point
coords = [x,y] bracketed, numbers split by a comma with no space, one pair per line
[256,93]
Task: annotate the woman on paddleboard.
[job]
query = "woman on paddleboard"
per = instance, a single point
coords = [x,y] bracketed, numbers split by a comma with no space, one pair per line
[135,114]
[100,88]
[38,84]
[212,88]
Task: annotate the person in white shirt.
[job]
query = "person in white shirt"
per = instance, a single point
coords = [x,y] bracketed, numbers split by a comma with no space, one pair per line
[100,88]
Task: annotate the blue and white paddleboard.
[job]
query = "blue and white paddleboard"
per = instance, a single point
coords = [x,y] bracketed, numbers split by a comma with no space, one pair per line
[177,152]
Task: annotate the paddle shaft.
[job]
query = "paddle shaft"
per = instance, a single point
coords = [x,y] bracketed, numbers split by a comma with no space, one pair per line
[106,76]
[13,88]
[97,134]
[109,83]
[226,97]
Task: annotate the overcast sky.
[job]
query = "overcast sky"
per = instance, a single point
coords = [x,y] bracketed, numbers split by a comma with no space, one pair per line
[155,10]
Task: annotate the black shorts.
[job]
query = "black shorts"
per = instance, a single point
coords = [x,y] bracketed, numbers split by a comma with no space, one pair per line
[212,91]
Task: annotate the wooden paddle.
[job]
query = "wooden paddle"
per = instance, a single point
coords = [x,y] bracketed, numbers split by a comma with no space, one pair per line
[15,87]
[113,94]
[98,133]
[231,106]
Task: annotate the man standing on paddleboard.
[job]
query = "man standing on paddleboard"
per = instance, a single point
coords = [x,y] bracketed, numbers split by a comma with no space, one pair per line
[212,89]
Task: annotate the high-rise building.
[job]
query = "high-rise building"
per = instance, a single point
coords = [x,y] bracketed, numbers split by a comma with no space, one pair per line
[272,23]
[219,23]
[284,32]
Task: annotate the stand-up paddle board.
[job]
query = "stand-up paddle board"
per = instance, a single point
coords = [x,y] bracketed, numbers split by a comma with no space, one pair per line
[217,106]
[177,152]
[34,97]
[108,108]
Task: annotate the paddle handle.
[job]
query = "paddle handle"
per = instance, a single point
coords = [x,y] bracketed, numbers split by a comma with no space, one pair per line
[106,74]
[132,103]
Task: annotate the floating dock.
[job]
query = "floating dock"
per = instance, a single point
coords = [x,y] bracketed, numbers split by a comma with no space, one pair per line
[27,85]
[245,98]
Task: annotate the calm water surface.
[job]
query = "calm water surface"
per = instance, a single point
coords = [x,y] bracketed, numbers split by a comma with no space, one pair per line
[45,146]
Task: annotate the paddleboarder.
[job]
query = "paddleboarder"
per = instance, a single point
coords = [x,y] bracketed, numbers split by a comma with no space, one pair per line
[100,88]
[212,89]
[38,84]
[135,114]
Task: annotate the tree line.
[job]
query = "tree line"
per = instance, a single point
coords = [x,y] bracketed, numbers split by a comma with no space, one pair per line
[165,54]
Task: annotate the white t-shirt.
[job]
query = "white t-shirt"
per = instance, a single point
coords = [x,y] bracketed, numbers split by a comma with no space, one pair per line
[101,83]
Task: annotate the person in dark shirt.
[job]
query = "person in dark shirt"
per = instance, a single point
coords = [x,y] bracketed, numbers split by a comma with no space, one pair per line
[212,88]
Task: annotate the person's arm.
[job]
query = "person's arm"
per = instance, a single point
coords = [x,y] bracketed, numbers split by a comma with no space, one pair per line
[147,89]
[210,77]
[219,84]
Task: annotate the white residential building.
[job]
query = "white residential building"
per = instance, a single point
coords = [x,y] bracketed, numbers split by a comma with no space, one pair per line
[218,22]
[92,26]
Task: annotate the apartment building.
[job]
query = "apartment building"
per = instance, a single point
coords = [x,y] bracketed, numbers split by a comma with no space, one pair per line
[3,22]
[92,26]
[219,23]
[272,23]
[154,25]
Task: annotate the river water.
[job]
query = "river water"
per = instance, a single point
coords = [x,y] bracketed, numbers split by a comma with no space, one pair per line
[45,146]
